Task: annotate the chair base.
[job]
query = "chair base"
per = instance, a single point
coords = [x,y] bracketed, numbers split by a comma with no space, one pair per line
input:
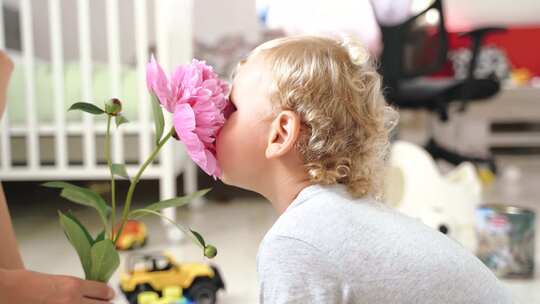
[439,152]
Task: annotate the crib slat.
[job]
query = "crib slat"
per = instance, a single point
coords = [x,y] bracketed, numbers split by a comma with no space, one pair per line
[4,123]
[114,70]
[32,144]
[85,54]
[141,45]
[58,84]
[167,189]
[162,54]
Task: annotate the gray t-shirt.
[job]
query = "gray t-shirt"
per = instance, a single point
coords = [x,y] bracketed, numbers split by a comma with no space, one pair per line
[330,248]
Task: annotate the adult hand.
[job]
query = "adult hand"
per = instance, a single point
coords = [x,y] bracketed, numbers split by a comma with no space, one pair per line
[6,67]
[28,287]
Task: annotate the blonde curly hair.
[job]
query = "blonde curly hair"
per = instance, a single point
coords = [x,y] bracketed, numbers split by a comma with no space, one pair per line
[333,86]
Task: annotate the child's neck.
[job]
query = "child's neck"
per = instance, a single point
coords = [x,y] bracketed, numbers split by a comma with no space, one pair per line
[285,187]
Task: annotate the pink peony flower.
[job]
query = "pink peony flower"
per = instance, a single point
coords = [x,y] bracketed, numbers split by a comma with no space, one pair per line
[197,98]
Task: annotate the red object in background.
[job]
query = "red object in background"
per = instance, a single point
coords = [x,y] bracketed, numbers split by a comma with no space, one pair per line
[131,227]
[520,44]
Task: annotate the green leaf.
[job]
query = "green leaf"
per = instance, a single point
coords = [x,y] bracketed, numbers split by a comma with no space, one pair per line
[85,231]
[105,261]
[86,107]
[83,196]
[99,237]
[177,201]
[119,119]
[120,170]
[78,239]
[199,238]
[159,122]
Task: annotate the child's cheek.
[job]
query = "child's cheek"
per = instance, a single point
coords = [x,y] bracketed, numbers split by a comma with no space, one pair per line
[223,140]
[219,142]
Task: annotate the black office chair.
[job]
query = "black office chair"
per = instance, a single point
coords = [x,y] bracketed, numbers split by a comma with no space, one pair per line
[417,48]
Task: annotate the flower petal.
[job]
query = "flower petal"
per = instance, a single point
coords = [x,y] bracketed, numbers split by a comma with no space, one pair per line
[184,118]
[157,82]
[212,167]
[195,148]
[184,125]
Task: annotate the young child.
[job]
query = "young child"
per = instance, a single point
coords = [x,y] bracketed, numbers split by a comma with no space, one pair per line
[310,133]
[21,286]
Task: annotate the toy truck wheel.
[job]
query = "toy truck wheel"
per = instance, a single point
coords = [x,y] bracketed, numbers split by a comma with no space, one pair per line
[202,291]
[132,296]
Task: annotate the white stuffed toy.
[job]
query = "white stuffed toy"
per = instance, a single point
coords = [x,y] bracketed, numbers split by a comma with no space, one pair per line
[447,203]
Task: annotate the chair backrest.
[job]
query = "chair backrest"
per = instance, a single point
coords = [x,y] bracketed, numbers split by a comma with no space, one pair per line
[416,47]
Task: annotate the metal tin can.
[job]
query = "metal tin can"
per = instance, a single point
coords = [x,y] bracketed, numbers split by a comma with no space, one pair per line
[506,240]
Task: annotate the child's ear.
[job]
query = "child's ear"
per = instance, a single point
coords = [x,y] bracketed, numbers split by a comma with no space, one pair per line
[284,132]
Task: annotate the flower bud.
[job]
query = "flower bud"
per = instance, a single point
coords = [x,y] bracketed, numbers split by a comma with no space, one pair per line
[113,106]
[210,251]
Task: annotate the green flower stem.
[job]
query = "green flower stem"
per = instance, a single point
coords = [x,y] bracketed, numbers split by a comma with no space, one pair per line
[109,163]
[180,227]
[135,180]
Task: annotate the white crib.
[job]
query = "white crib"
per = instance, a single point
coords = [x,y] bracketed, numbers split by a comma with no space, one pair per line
[173,41]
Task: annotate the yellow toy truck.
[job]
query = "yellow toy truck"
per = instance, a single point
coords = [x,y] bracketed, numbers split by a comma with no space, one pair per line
[170,295]
[155,271]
